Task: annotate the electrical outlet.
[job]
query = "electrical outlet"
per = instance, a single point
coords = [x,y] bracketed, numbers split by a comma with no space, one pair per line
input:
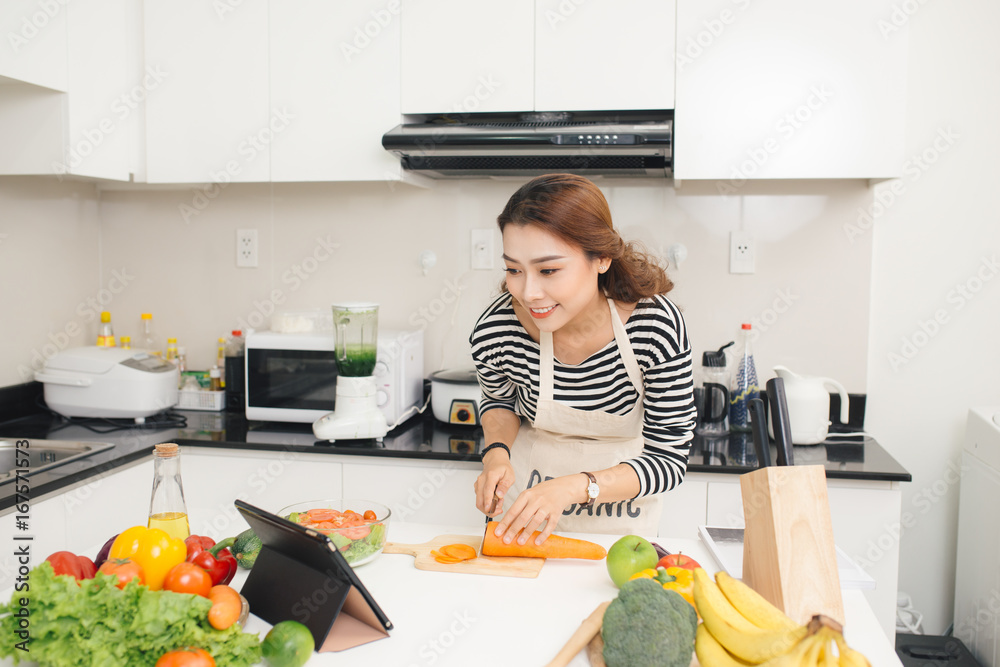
[742,250]
[482,249]
[246,248]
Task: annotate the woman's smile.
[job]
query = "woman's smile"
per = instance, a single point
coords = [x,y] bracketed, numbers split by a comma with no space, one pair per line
[539,313]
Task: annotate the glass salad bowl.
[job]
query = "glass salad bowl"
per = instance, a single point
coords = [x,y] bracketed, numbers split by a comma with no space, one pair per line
[356,527]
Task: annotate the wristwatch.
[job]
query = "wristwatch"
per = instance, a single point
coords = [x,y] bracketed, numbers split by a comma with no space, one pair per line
[593,490]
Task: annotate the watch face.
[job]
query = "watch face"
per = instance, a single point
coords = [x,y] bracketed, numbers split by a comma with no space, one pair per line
[593,490]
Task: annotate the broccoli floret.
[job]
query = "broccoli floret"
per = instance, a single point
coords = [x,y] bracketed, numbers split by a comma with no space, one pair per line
[647,626]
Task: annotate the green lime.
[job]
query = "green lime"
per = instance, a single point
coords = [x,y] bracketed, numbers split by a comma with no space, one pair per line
[288,644]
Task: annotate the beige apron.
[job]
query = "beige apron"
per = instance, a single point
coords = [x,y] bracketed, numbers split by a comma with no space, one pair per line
[565,441]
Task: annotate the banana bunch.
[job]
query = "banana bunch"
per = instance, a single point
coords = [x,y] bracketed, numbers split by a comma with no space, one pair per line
[741,628]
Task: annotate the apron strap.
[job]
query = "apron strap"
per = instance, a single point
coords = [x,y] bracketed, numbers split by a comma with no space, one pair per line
[546,360]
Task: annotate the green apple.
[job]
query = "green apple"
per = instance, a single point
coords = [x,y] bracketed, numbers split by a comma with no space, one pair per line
[629,555]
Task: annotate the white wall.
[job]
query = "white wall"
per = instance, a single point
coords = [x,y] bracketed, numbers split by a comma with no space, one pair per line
[321,242]
[932,350]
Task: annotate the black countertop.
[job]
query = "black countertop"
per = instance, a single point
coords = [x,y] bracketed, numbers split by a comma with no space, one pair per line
[419,438]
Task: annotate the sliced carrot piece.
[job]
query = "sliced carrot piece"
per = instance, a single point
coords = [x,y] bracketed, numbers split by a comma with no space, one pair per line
[441,558]
[460,551]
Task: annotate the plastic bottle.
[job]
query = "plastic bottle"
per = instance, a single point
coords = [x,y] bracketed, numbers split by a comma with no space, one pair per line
[234,370]
[105,335]
[167,510]
[147,339]
[172,350]
[714,417]
[744,387]
[181,359]
[220,360]
[126,342]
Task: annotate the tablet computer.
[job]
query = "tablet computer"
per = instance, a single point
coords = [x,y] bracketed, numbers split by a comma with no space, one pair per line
[301,575]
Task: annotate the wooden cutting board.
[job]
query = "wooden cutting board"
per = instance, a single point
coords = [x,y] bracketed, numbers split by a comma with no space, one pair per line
[500,566]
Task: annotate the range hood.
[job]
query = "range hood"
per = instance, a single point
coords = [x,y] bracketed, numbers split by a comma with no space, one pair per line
[627,144]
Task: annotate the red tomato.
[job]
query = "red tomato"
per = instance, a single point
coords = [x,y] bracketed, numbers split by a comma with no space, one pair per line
[186,657]
[126,570]
[78,567]
[355,532]
[188,578]
[678,560]
[370,515]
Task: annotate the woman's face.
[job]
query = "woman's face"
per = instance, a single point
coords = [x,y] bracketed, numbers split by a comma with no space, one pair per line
[554,281]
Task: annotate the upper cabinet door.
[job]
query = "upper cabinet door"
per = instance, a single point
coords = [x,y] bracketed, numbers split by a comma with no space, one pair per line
[789,89]
[467,56]
[34,48]
[209,120]
[335,72]
[604,55]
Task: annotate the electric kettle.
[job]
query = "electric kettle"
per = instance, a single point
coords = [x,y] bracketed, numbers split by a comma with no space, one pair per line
[809,405]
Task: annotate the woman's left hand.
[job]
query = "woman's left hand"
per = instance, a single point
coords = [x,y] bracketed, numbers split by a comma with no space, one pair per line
[542,503]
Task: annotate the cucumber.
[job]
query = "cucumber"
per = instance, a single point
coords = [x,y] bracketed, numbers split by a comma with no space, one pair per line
[246,548]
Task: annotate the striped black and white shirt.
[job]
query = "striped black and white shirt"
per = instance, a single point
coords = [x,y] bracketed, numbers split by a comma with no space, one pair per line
[506,361]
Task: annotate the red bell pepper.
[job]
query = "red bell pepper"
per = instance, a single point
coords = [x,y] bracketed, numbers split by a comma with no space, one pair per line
[78,567]
[216,559]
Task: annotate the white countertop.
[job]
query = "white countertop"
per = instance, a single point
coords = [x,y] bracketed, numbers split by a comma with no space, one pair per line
[445,618]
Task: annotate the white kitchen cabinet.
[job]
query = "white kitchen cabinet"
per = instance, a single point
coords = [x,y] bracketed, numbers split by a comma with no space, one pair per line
[334,69]
[34,51]
[866,525]
[546,55]
[467,57]
[418,491]
[210,120]
[787,89]
[214,478]
[81,126]
[603,55]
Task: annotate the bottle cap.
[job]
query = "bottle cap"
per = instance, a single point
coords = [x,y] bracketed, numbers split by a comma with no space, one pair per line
[237,332]
[215,372]
[171,340]
[745,326]
[167,449]
[126,339]
[221,339]
[105,316]
[147,316]
[716,359]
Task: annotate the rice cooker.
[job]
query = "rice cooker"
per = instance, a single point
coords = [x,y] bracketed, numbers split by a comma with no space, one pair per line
[108,382]
[455,397]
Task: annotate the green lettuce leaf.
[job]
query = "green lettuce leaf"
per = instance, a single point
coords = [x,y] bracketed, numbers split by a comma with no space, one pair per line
[95,623]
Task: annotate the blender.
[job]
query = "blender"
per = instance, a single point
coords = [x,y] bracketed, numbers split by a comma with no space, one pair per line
[355,414]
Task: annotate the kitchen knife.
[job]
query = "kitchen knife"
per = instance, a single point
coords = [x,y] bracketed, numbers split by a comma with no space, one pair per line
[759,428]
[779,421]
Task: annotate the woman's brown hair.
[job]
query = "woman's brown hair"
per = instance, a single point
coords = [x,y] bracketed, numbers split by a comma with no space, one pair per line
[572,208]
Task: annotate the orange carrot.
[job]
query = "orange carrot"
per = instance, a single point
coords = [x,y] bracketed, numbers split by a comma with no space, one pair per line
[442,558]
[556,546]
[460,551]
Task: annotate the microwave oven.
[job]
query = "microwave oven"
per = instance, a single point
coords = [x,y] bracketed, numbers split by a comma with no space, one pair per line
[292,377]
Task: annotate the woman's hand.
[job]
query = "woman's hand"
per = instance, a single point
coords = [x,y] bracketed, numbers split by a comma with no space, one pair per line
[496,478]
[542,503]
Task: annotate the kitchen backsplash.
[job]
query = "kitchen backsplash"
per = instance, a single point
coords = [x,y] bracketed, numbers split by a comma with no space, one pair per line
[68,250]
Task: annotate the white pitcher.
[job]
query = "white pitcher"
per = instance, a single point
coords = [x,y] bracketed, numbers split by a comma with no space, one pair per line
[809,405]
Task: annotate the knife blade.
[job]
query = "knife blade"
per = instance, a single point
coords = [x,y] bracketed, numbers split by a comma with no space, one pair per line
[779,421]
[493,508]
[759,429]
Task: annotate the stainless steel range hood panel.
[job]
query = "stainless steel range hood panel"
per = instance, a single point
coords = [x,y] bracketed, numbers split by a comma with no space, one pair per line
[636,144]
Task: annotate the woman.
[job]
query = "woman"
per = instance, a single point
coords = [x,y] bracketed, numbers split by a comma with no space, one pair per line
[583,345]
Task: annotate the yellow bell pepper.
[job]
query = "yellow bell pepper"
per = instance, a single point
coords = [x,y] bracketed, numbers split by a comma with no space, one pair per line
[676,579]
[151,548]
